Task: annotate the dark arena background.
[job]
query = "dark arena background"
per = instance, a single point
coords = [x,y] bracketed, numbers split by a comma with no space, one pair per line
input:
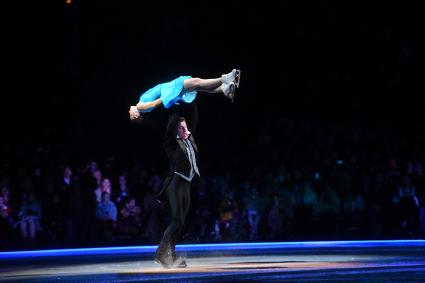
[314,173]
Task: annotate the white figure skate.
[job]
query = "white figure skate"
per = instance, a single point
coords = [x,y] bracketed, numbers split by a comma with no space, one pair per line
[229,90]
[233,76]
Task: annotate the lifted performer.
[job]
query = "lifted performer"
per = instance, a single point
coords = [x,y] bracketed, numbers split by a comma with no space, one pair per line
[183,88]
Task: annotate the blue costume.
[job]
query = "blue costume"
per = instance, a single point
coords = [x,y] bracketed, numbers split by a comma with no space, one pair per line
[169,93]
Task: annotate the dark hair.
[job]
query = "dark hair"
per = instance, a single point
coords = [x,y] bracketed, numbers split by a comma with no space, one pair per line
[182,119]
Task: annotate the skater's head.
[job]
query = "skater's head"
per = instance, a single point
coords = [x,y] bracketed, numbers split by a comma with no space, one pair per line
[135,115]
[182,130]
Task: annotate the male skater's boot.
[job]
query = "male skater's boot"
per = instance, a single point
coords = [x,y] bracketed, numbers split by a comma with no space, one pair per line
[178,261]
[163,255]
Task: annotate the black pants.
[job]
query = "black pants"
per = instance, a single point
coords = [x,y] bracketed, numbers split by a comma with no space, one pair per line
[178,197]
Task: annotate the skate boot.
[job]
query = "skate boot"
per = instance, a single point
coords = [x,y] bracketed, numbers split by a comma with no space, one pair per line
[229,90]
[164,257]
[233,76]
[178,261]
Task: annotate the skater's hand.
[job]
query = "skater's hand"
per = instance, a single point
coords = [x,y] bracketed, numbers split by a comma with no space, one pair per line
[134,114]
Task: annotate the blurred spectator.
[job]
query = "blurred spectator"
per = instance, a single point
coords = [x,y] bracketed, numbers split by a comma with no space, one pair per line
[407,204]
[98,185]
[328,211]
[274,220]
[418,180]
[88,176]
[6,222]
[106,186]
[29,217]
[129,220]
[123,191]
[53,218]
[252,204]
[151,210]
[202,218]
[354,214]
[106,215]
[71,202]
[223,225]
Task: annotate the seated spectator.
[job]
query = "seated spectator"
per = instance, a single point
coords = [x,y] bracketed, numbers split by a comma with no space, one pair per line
[29,217]
[407,204]
[353,209]
[202,216]
[54,219]
[106,186]
[152,209]
[5,194]
[252,207]
[223,225]
[274,220]
[106,215]
[97,175]
[123,193]
[129,221]
[6,222]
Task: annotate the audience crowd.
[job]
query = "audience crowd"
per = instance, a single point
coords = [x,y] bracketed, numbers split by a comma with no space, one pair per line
[296,180]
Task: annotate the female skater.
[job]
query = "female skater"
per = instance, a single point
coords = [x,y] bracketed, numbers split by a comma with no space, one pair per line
[183,88]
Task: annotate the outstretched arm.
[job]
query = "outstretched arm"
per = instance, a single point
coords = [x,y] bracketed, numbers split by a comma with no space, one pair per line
[135,110]
[143,106]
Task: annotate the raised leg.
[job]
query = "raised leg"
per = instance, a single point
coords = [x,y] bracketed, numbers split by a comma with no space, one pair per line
[202,85]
